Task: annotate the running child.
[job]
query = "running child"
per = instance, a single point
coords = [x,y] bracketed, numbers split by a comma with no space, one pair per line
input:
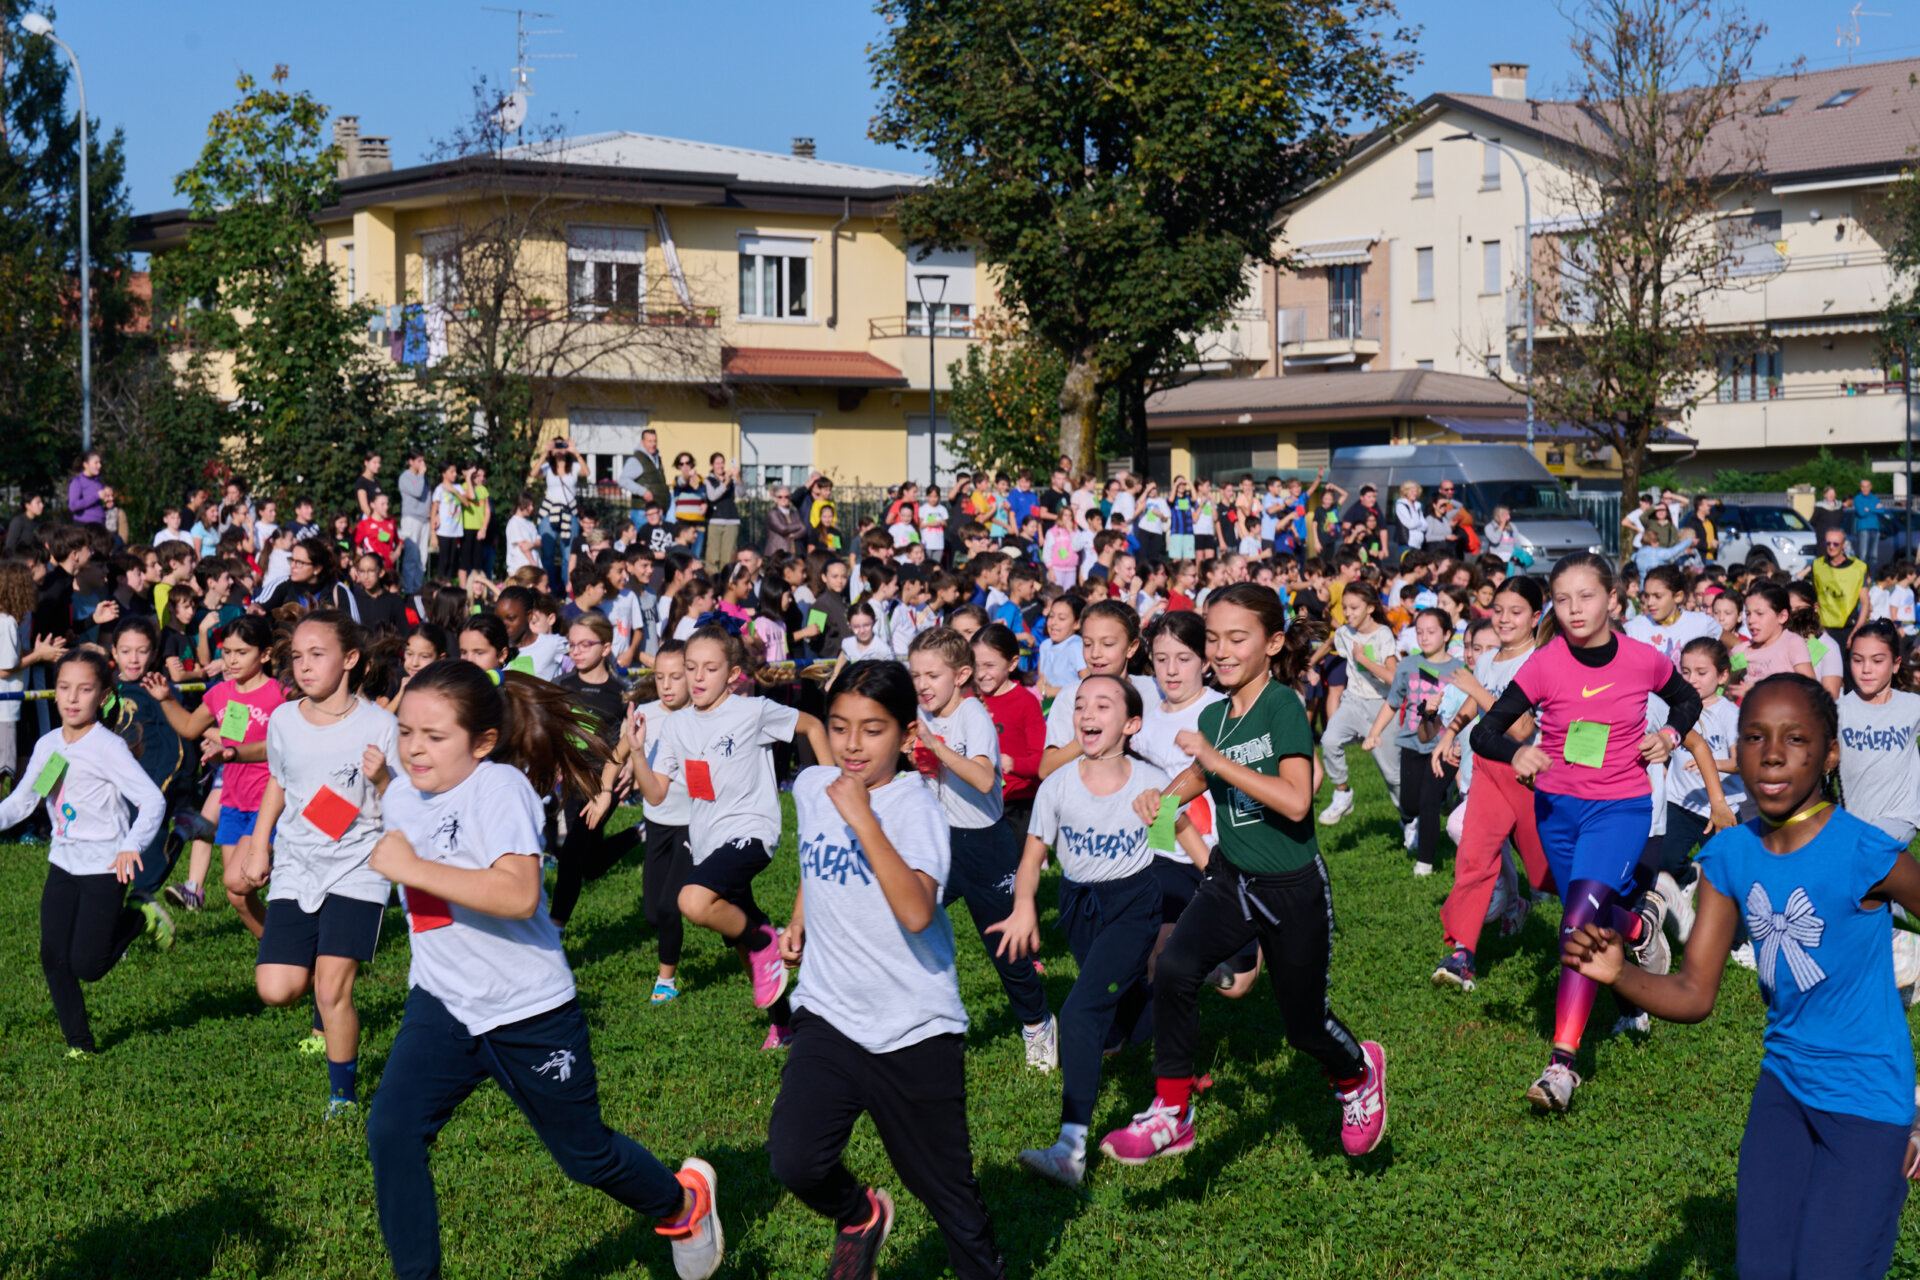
[1828,1135]
[1771,648]
[718,748]
[491,995]
[878,1026]
[1413,702]
[86,776]
[1665,622]
[1109,899]
[957,748]
[330,758]
[1592,799]
[668,857]
[1110,639]
[172,762]
[1017,719]
[585,850]
[1365,643]
[1253,753]
[231,722]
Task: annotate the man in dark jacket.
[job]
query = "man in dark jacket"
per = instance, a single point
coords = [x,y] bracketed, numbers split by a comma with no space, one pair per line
[644,477]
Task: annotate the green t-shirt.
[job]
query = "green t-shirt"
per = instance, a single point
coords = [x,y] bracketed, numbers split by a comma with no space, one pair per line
[471,513]
[1253,837]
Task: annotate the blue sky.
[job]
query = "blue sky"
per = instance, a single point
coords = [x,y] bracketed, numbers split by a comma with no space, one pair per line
[748,73]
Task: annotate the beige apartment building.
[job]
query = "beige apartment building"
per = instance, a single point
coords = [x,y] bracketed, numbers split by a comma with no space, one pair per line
[1411,259]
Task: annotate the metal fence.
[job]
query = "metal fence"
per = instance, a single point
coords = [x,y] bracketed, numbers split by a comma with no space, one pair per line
[1602,510]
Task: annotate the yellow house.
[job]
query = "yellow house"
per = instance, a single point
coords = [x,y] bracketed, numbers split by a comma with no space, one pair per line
[749,303]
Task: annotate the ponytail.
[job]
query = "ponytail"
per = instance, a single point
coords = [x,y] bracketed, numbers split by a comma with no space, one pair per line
[538,729]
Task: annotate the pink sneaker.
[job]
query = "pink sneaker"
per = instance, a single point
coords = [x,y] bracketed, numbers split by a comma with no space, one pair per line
[768,969]
[1363,1112]
[1160,1130]
[778,1037]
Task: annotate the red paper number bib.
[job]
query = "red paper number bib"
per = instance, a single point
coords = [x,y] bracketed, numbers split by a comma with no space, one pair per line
[330,811]
[699,780]
[425,911]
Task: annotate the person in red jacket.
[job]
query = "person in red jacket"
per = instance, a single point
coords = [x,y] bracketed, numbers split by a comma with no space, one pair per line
[1016,716]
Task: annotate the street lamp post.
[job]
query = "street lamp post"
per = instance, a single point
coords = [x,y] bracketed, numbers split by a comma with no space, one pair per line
[1526,249]
[36,24]
[1906,376]
[939,282]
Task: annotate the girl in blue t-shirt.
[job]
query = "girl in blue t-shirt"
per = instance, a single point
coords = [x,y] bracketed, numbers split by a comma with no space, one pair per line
[1829,1134]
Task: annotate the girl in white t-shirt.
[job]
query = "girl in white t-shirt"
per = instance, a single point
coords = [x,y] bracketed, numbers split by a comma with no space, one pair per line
[330,757]
[1109,897]
[491,994]
[866,643]
[720,748]
[878,1024]
[1109,638]
[933,524]
[87,777]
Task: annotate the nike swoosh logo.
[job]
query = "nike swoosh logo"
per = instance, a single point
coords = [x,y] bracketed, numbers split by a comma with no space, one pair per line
[1588,693]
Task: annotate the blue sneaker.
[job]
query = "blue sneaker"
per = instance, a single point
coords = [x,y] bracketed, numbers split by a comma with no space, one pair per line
[665,989]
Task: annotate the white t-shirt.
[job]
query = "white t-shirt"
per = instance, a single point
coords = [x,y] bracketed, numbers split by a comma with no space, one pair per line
[907,623]
[1379,645]
[877,650]
[545,652]
[446,512]
[1155,743]
[1719,727]
[1123,505]
[734,741]
[304,757]
[1826,657]
[881,985]
[1083,544]
[970,732]
[164,536]
[1060,731]
[677,809]
[1096,838]
[933,527]
[263,532]
[1900,607]
[519,530]
[623,611]
[11,651]
[88,805]
[1880,604]
[1685,628]
[489,971]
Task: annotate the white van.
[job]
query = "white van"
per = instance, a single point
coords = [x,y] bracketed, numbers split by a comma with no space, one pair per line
[1484,476]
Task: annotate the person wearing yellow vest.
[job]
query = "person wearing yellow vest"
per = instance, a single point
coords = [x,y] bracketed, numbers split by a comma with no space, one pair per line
[1840,584]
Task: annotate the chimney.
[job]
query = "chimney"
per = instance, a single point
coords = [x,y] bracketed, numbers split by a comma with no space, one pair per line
[359,156]
[1510,81]
[803,147]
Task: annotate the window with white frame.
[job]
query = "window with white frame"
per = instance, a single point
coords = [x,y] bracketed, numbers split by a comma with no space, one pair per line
[1423,172]
[607,271]
[1490,276]
[941,281]
[776,278]
[1423,275]
[440,268]
[775,449]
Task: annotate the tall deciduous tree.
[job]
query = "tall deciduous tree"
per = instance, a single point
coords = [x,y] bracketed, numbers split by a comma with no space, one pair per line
[1120,164]
[312,396]
[1666,136]
[39,252]
[1899,217]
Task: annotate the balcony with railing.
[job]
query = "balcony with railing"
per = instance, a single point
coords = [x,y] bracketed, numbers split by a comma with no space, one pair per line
[1851,414]
[1241,337]
[1330,328]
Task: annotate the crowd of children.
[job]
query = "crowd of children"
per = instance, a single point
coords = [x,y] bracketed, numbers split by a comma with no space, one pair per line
[1145,692]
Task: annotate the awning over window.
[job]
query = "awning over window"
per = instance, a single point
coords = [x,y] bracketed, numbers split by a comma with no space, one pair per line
[789,367]
[1824,328]
[1333,253]
[1503,429]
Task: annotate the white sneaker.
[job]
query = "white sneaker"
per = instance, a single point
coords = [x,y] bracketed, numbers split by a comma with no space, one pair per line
[1422,868]
[1651,953]
[1043,1044]
[698,1249]
[1906,965]
[1553,1091]
[1679,907]
[1060,1162]
[1410,836]
[1742,955]
[1639,1024]
[1339,807]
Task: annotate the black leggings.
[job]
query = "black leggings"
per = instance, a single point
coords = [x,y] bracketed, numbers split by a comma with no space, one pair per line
[917,1099]
[1292,917]
[662,875]
[586,854]
[86,925]
[1421,795]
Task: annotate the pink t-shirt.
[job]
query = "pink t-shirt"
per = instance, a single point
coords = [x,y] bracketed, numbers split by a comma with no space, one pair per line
[243,785]
[1613,697]
[1787,649]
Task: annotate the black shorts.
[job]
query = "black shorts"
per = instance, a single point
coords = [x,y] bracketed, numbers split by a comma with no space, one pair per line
[728,872]
[1205,542]
[343,927]
[1177,880]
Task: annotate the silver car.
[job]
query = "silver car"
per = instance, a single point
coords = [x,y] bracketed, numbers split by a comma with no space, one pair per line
[1773,537]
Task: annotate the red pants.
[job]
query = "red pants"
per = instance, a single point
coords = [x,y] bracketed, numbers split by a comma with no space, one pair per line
[1499,807]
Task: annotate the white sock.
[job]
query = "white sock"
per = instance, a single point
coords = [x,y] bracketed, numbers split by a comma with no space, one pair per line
[1074,1136]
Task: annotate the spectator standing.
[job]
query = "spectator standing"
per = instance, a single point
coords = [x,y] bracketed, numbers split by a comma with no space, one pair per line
[83,491]
[523,535]
[447,529]
[1840,584]
[723,513]
[25,525]
[1409,516]
[1828,514]
[643,477]
[367,487]
[113,518]
[1700,523]
[476,521]
[689,501]
[558,469]
[415,513]
[1866,524]
[786,527]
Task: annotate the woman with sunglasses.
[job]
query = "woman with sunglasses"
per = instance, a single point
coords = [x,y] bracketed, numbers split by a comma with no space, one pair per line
[690,502]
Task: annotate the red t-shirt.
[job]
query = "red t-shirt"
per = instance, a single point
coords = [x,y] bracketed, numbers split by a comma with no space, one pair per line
[1023,736]
[1179,602]
[378,537]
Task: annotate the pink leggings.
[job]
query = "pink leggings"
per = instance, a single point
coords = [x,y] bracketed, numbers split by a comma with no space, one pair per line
[1499,806]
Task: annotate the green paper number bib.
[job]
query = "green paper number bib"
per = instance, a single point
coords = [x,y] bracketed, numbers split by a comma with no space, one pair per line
[1160,834]
[1586,743]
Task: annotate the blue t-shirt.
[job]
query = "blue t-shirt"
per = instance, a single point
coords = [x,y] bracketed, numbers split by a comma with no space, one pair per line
[1836,1036]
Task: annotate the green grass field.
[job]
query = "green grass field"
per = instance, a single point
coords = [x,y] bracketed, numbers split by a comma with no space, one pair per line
[192,1146]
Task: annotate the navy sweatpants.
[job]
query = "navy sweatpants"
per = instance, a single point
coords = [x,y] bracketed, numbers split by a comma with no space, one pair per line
[985,860]
[545,1066]
[1111,926]
[1820,1193]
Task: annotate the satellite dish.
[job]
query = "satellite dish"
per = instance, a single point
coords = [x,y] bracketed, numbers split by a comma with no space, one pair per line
[511,112]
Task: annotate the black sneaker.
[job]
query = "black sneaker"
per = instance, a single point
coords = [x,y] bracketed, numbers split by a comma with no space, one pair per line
[856,1250]
[1456,970]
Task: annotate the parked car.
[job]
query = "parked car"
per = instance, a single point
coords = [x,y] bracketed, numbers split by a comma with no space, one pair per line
[1774,537]
[1485,476]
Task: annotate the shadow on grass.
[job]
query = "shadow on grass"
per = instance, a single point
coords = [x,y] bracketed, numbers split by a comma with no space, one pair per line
[1705,1238]
[747,1194]
[234,1003]
[226,1226]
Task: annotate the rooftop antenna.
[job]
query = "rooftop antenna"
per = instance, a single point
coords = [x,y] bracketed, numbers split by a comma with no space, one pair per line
[512,111]
[1849,38]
